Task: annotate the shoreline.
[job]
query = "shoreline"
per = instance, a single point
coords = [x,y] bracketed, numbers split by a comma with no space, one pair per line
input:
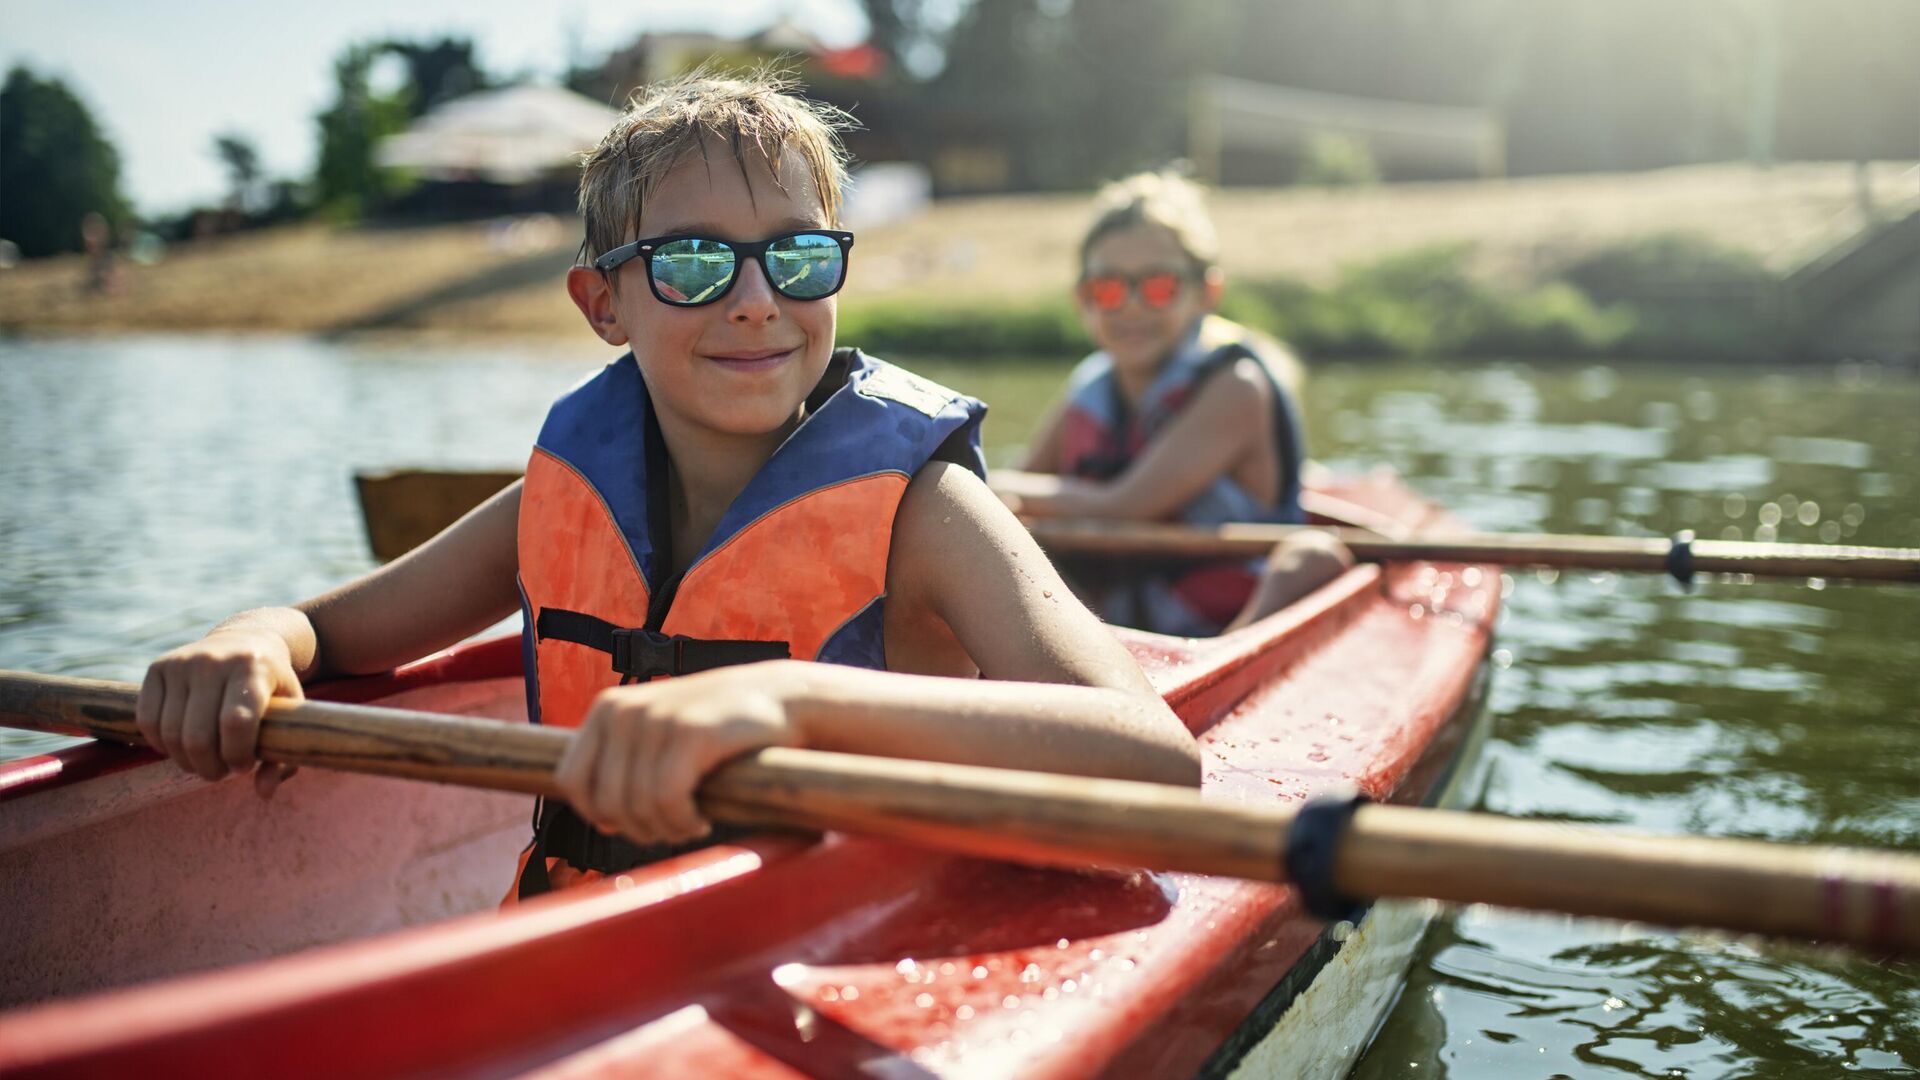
[993,274]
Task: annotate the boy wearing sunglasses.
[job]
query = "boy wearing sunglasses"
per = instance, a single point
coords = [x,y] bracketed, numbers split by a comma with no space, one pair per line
[1181,415]
[731,497]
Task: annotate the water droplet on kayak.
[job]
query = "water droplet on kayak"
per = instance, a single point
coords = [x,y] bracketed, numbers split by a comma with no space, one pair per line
[849,993]
[1095,955]
[1049,994]
[1416,611]
[1011,1001]
[829,993]
[947,968]
[964,1012]
[1502,659]
[1069,986]
[1126,963]
[924,1001]
[979,971]
[905,967]
[1061,944]
[1030,973]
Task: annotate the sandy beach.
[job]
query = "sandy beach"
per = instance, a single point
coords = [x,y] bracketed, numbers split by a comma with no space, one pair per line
[499,278]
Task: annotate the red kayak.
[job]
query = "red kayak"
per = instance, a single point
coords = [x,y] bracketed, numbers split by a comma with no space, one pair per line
[775,957]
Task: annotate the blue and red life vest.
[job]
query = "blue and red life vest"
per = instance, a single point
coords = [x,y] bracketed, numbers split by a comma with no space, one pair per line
[1102,434]
[797,566]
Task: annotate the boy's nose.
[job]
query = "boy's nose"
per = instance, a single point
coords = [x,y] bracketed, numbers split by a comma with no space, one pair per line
[753,298]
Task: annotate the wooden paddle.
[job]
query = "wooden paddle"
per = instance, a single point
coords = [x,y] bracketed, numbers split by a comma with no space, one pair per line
[1682,557]
[405,508]
[1331,850]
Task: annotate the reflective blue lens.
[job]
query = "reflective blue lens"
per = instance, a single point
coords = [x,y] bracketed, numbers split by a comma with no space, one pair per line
[692,271]
[807,266]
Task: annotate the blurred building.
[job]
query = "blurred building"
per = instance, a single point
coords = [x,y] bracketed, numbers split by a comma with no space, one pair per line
[1241,131]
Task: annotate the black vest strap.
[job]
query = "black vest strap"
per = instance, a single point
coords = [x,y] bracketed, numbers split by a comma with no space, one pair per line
[560,832]
[637,653]
[641,653]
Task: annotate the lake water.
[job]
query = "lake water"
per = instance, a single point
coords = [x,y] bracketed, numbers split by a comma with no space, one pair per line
[149,487]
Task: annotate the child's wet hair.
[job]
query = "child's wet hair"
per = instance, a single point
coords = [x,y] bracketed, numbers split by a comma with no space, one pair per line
[664,124]
[1164,198]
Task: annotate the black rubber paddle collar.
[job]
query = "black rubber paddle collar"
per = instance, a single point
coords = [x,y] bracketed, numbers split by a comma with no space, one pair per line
[1312,843]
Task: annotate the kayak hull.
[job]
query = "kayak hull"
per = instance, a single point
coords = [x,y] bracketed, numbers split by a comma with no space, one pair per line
[116,868]
[783,956]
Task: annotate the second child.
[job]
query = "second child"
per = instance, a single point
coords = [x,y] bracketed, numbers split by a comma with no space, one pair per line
[1181,415]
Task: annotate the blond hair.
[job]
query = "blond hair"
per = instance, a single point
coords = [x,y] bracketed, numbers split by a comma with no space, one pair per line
[668,122]
[1164,198]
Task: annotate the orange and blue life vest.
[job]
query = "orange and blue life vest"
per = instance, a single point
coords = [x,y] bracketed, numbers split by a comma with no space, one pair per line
[1102,434]
[797,566]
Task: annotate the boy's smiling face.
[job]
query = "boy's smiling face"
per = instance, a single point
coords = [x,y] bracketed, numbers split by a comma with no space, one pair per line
[743,364]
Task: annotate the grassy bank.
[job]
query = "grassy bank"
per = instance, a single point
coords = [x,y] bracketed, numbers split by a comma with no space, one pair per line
[1431,301]
[1556,266]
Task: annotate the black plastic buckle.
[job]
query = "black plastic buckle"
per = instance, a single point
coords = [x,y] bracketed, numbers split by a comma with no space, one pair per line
[643,653]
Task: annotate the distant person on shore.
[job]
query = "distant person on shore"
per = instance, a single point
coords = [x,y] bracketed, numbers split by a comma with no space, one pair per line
[732,492]
[1181,415]
[103,271]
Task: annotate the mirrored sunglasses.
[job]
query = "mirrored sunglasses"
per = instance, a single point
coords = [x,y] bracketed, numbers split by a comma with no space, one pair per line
[688,271]
[1108,292]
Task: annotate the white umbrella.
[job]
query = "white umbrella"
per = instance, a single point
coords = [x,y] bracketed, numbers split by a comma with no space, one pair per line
[506,136]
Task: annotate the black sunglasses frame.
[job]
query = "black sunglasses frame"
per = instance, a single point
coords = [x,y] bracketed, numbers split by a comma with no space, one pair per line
[742,251]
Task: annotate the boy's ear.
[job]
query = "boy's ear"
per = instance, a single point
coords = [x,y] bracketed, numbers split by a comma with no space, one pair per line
[593,295]
[1213,285]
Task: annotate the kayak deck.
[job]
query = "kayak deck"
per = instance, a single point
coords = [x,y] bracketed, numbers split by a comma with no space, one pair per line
[784,956]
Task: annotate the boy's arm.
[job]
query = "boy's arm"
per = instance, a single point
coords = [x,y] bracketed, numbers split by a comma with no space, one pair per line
[1225,422]
[1058,692]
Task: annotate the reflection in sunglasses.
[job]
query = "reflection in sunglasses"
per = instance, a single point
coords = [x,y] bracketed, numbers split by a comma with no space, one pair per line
[689,271]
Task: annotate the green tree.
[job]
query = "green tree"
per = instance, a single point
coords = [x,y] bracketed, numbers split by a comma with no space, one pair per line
[437,71]
[242,162]
[347,182]
[55,166]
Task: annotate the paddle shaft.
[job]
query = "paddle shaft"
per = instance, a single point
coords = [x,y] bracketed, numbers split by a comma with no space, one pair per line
[1834,894]
[1247,541]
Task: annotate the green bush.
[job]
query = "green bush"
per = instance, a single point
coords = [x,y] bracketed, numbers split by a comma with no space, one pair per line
[1337,161]
[1425,302]
[981,328]
[1692,296]
[1633,267]
[1428,302]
